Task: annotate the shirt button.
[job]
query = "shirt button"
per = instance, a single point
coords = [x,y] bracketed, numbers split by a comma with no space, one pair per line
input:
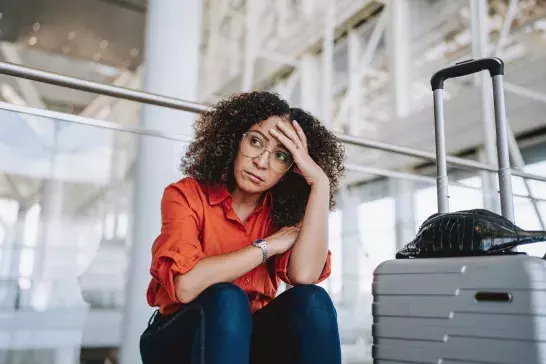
[247,281]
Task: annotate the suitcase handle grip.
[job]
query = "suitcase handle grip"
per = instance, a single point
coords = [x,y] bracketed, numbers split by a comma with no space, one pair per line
[494,65]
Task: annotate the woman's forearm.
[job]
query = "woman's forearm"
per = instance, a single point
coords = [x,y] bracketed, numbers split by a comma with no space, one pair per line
[216,269]
[311,248]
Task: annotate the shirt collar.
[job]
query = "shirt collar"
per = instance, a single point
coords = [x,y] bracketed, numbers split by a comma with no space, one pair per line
[217,193]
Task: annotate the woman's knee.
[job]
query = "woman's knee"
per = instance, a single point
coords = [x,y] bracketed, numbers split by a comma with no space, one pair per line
[312,303]
[226,306]
[226,294]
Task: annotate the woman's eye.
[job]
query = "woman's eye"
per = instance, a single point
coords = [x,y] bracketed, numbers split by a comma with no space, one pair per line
[256,142]
[283,157]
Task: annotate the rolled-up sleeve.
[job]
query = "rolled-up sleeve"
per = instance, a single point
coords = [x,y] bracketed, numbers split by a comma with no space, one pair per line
[177,249]
[281,267]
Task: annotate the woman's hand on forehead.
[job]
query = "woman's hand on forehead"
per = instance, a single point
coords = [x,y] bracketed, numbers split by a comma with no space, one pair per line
[291,135]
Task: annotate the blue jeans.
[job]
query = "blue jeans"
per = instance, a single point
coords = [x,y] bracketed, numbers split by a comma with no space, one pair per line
[299,326]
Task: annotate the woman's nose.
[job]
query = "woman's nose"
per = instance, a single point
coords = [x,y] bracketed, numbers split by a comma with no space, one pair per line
[262,161]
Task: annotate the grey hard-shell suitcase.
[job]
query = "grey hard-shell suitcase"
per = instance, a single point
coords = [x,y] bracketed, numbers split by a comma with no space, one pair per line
[482,309]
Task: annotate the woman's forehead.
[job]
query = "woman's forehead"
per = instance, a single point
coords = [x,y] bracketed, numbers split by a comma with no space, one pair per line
[268,123]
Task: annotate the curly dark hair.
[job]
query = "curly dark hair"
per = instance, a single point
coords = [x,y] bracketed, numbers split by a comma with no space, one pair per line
[218,132]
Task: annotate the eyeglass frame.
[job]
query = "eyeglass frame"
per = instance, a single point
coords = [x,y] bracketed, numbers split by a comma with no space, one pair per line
[263,151]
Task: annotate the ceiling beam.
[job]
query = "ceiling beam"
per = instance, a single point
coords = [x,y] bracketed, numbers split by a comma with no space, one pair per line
[128,5]
[13,186]
[97,105]
[30,96]
[365,61]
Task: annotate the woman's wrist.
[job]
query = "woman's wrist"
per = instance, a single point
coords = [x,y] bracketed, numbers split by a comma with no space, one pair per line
[271,251]
[322,185]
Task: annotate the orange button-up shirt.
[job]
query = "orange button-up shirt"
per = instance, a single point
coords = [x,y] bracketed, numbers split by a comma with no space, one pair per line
[198,221]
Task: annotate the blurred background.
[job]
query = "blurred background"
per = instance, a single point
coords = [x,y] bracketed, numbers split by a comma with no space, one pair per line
[82,173]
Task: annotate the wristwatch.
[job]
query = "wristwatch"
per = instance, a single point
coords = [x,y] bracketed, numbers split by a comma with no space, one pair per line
[261,243]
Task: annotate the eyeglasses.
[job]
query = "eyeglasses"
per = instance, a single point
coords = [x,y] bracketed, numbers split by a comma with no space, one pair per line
[253,145]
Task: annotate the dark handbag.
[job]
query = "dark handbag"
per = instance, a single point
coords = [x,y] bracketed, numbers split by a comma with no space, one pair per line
[467,232]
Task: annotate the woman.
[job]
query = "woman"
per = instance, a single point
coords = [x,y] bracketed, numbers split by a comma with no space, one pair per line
[253,211]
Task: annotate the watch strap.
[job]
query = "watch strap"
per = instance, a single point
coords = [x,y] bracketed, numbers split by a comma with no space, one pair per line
[261,243]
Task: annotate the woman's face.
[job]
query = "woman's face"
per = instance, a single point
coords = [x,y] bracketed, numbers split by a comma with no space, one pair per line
[262,160]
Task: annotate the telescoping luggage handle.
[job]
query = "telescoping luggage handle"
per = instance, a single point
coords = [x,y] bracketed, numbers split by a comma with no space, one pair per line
[495,66]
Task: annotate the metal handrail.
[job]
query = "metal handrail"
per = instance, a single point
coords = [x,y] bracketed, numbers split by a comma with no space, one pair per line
[15,70]
[33,74]
[430,156]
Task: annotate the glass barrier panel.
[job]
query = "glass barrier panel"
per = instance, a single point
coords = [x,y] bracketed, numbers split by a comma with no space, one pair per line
[65,217]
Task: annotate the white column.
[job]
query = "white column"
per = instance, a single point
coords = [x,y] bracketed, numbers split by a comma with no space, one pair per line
[50,223]
[10,256]
[352,258]
[399,39]
[10,248]
[488,154]
[355,83]
[310,84]
[171,66]
[352,248]
[252,18]
[403,190]
[67,355]
[56,269]
[328,63]
[18,243]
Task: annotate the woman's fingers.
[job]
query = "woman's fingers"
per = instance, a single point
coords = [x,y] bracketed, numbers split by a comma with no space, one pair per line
[288,143]
[291,133]
[301,134]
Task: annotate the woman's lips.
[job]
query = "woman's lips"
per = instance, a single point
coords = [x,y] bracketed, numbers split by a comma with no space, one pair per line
[254,178]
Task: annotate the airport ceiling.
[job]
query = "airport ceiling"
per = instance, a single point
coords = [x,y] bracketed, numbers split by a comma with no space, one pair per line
[107,31]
